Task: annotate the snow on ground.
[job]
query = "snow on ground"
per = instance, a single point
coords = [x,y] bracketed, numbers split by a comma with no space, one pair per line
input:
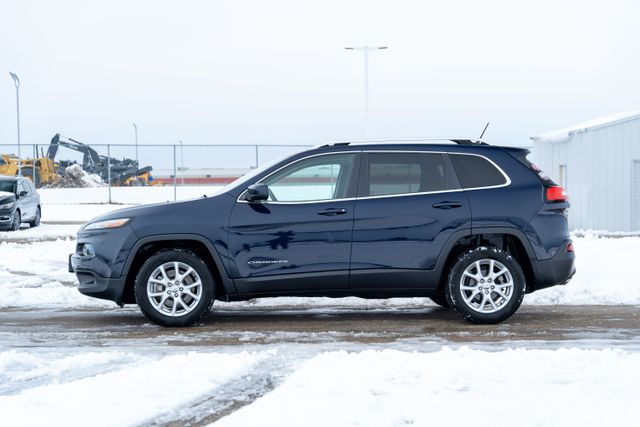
[37,275]
[78,205]
[123,195]
[75,214]
[40,233]
[453,387]
[117,389]
[606,274]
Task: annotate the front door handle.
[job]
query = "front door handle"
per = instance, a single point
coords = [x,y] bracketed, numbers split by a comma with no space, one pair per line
[447,205]
[332,211]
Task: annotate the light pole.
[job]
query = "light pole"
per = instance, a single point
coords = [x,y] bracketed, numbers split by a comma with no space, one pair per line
[135,129]
[365,50]
[16,81]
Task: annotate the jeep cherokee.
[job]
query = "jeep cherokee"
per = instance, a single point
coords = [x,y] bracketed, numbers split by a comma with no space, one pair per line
[472,226]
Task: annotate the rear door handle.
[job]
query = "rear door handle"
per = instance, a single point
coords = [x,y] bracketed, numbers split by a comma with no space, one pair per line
[332,211]
[447,205]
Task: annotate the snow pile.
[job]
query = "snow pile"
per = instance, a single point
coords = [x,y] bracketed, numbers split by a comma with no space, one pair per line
[76,177]
[389,388]
[135,393]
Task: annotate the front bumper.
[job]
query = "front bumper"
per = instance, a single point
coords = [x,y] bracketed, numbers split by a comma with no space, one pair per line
[6,218]
[101,272]
[555,271]
[93,285]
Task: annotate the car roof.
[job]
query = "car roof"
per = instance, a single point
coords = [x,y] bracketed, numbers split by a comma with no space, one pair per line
[461,145]
[9,178]
[410,141]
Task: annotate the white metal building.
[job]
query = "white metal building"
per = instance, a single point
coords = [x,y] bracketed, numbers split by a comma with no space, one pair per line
[598,163]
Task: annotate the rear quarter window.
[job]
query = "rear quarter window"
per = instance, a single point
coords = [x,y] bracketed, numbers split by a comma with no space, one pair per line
[475,171]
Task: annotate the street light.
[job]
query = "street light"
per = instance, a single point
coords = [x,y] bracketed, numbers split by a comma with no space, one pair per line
[16,81]
[136,133]
[365,50]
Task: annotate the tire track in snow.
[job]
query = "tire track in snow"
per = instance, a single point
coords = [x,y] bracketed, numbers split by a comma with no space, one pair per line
[231,396]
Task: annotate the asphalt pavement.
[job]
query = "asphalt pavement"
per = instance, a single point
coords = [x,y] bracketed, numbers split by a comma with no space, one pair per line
[242,325]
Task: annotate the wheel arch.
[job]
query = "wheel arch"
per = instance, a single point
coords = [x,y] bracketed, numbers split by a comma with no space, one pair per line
[511,240]
[147,246]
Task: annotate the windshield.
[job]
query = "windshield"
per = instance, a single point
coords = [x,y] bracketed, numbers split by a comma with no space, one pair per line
[8,186]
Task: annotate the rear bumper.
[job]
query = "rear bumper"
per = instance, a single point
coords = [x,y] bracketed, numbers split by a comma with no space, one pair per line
[555,271]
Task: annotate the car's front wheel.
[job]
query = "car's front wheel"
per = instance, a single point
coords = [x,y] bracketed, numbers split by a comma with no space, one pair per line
[36,220]
[485,285]
[174,287]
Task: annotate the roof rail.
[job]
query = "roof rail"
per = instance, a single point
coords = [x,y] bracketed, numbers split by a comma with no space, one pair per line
[459,141]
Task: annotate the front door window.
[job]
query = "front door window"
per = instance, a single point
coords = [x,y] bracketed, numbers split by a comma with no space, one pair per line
[314,179]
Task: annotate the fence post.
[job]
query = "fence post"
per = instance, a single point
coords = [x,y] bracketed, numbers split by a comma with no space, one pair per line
[257,156]
[109,169]
[175,174]
[35,166]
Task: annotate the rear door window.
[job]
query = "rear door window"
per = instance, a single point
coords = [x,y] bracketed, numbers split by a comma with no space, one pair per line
[407,173]
[476,171]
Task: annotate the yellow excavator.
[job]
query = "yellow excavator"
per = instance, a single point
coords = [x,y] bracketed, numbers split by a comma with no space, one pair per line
[41,170]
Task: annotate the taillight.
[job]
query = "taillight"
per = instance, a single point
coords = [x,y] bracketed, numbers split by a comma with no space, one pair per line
[570,247]
[556,194]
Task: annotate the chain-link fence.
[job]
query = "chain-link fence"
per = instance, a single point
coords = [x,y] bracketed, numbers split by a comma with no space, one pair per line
[173,171]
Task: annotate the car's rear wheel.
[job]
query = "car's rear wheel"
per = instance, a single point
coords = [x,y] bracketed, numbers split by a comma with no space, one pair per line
[174,287]
[17,220]
[485,285]
[36,220]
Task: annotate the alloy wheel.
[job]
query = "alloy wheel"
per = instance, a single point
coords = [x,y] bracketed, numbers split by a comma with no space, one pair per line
[174,289]
[486,285]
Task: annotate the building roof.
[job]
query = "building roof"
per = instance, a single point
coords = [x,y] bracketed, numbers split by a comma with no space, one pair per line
[562,135]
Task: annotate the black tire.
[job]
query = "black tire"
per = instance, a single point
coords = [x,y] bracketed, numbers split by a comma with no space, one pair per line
[485,302]
[36,220]
[17,220]
[160,313]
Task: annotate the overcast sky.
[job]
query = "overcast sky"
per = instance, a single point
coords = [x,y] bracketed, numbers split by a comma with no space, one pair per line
[277,72]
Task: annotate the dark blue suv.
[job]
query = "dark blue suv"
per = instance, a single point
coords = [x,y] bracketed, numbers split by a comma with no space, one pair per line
[472,226]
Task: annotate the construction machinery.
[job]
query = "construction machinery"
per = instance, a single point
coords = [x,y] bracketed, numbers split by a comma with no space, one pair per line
[41,170]
[121,172]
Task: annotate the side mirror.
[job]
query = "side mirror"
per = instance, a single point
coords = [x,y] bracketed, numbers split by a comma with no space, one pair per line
[257,193]
[23,193]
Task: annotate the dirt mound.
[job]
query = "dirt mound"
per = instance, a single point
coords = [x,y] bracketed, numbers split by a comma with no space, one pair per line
[76,177]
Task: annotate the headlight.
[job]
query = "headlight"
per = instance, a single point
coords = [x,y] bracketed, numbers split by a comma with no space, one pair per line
[7,205]
[110,223]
